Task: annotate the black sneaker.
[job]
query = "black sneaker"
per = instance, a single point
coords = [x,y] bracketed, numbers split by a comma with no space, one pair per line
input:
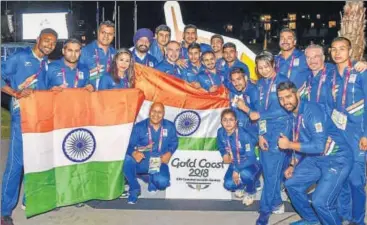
[6,220]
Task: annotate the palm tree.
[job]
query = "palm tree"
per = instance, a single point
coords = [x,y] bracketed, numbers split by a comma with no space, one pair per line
[353,24]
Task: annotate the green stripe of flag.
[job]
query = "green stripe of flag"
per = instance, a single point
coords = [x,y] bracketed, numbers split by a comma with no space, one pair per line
[200,144]
[68,185]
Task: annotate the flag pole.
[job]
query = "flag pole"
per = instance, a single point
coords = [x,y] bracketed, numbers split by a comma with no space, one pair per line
[116,21]
[135,17]
[118,28]
[97,16]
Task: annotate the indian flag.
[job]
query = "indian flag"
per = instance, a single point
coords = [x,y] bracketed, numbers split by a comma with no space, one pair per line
[196,113]
[74,143]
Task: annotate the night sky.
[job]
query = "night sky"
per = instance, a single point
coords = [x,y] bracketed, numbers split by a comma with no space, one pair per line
[207,15]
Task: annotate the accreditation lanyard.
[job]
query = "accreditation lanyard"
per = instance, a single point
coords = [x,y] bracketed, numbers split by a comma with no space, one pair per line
[268,93]
[296,129]
[76,79]
[237,146]
[210,77]
[27,84]
[322,79]
[290,67]
[182,50]
[160,138]
[345,85]
[98,61]
[124,79]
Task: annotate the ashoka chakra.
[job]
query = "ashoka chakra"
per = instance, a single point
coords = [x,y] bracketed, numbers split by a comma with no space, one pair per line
[79,145]
[187,122]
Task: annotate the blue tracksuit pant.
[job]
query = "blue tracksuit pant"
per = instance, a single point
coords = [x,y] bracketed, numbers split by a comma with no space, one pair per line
[330,174]
[272,165]
[131,169]
[249,175]
[12,177]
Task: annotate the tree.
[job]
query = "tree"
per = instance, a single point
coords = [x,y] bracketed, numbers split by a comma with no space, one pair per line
[353,24]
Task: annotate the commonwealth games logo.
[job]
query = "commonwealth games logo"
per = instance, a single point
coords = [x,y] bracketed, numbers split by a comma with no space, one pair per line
[79,145]
[187,122]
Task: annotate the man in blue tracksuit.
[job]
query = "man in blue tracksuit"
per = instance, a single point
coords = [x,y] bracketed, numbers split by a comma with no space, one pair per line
[216,42]
[67,72]
[323,158]
[190,35]
[169,64]
[209,78]
[142,40]
[243,96]
[152,143]
[162,37]
[349,115]
[24,71]
[319,87]
[237,149]
[194,65]
[291,62]
[231,61]
[98,55]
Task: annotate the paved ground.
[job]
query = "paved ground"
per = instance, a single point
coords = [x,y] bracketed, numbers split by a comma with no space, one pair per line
[90,216]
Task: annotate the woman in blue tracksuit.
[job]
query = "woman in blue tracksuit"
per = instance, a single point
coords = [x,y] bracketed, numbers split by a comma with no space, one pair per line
[272,120]
[237,149]
[122,72]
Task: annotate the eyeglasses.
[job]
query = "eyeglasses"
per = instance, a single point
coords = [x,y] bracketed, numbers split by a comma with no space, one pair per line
[308,58]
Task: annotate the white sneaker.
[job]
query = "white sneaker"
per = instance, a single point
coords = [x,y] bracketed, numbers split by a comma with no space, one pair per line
[279,210]
[239,193]
[23,207]
[259,188]
[248,199]
[124,194]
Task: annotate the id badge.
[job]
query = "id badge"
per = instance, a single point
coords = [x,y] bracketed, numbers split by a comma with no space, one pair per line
[352,78]
[154,165]
[15,103]
[262,126]
[234,101]
[274,88]
[296,62]
[81,76]
[340,119]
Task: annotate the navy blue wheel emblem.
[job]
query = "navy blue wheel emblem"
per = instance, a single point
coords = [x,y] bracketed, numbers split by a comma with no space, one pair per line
[187,122]
[79,145]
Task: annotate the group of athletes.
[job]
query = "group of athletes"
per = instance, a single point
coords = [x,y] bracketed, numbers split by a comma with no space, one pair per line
[308,117]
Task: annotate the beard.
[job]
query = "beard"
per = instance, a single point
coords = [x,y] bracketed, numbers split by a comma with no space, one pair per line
[291,107]
[143,48]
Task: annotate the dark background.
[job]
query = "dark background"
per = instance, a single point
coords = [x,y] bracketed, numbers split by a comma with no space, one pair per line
[211,16]
[208,15]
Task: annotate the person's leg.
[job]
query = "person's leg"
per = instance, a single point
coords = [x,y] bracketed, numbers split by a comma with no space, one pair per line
[131,168]
[305,174]
[357,182]
[228,180]
[272,164]
[161,180]
[12,177]
[334,174]
[249,176]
